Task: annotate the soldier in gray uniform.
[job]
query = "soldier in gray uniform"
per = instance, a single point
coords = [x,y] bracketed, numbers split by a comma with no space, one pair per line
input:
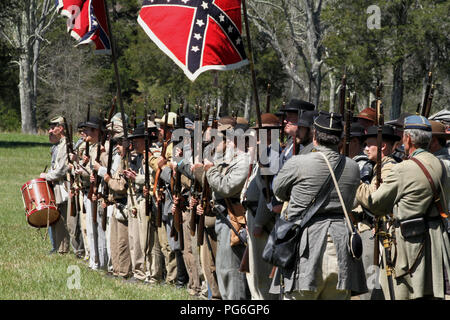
[324,268]
[260,219]
[291,127]
[226,179]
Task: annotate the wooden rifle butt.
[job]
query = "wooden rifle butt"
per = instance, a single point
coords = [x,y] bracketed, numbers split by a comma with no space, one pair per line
[173,232]
[272,273]
[147,205]
[200,229]
[376,245]
[71,205]
[104,217]
[192,221]
[94,211]
[244,266]
[181,235]
[159,213]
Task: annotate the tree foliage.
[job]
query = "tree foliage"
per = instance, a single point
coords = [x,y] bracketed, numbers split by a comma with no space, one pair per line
[298,46]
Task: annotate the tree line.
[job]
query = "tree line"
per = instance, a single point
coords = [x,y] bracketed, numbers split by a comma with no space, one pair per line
[301,47]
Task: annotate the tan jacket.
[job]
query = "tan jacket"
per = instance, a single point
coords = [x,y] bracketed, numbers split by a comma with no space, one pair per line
[407,193]
[364,189]
[58,172]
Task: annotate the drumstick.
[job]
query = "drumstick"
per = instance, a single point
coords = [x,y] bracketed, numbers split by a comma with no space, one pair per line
[45,169]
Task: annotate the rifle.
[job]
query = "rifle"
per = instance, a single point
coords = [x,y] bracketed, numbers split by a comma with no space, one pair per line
[108,172]
[348,123]
[158,186]
[69,150]
[113,109]
[87,119]
[177,227]
[196,187]
[282,135]
[268,99]
[426,105]
[206,191]
[146,168]
[93,189]
[342,92]
[133,119]
[381,223]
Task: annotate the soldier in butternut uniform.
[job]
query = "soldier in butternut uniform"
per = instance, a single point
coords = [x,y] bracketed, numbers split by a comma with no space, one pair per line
[57,175]
[366,220]
[421,259]
[120,251]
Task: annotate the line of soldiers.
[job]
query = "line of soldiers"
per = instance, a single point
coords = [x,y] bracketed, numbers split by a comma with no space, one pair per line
[148,207]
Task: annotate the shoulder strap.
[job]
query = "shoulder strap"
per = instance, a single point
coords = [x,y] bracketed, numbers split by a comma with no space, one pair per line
[335,180]
[436,199]
[320,198]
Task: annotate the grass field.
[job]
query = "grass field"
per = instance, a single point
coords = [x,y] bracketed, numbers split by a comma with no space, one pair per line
[26,269]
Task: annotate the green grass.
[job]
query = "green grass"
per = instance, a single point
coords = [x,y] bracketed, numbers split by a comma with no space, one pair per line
[26,270]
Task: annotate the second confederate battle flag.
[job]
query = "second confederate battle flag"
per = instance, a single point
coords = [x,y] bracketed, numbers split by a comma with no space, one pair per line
[198,35]
[87,22]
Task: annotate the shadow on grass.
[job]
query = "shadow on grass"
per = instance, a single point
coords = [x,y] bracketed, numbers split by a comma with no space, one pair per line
[23,144]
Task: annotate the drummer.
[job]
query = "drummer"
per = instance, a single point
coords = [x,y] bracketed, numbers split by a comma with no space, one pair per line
[57,175]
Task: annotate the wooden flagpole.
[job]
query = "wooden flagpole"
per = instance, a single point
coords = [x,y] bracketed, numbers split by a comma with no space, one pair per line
[116,71]
[252,65]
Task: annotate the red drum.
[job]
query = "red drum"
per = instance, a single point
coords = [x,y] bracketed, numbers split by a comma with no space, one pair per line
[40,204]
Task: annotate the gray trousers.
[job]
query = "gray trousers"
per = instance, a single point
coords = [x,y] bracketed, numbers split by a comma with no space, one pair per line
[232,283]
[60,231]
[372,271]
[74,228]
[258,278]
[98,258]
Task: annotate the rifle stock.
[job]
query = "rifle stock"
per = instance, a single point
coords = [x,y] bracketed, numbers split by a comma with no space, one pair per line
[342,93]
[268,98]
[146,166]
[177,228]
[69,149]
[425,104]
[206,192]
[158,186]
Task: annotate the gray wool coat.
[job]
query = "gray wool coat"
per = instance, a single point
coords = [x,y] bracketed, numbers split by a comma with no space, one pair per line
[298,182]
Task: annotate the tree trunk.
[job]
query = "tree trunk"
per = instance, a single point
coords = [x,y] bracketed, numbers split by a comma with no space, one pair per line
[28,117]
[397,90]
[332,91]
[247,107]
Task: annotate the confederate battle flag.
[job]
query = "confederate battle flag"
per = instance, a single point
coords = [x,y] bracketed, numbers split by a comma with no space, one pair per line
[86,22]
[198,35]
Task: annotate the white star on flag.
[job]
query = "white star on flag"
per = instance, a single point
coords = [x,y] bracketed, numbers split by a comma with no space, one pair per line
[184,1]
[238,41]
[200,23]
[195,48]
[197,36]
[222,18]
[230,29]
[204,5]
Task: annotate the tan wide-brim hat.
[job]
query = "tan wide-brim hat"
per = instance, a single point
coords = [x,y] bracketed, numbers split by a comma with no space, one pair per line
[269,121]
[226,123]
[438,129]
[171,120]
[116,128]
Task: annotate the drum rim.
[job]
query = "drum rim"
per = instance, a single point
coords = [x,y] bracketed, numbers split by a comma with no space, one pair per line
[33,180]
[42,207]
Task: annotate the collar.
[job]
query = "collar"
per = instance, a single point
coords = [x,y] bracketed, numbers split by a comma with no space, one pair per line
[417,151]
